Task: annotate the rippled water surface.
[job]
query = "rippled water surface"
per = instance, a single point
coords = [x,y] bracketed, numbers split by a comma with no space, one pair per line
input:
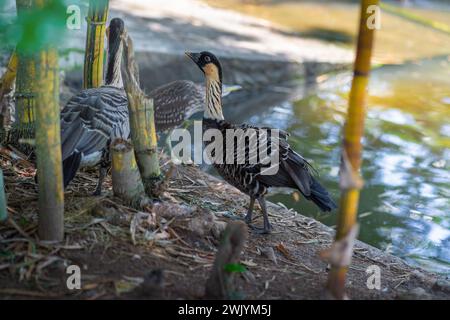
[405,206]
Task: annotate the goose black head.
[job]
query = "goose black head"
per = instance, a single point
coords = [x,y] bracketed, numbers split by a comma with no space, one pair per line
[116,33]
[208,63]
[115,30]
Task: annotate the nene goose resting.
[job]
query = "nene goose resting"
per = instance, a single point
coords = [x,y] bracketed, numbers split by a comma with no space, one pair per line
[293,170]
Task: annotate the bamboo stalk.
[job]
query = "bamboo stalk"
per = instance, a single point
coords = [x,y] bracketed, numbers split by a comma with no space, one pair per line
[127,183]
[95,40]
[25,95]
[7,84]
[8,78]
[351,182]
[220,283]
[48,147]
[3,211]
[26,69]
[142,122]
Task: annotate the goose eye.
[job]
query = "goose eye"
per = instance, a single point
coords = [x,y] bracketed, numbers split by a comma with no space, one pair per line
[207,59]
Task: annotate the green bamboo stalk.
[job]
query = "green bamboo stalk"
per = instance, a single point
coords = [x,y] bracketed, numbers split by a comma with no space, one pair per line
[25,95]
[3,210]
[352,148]
[142,122]
[48,146]
[95,40]
[26,69]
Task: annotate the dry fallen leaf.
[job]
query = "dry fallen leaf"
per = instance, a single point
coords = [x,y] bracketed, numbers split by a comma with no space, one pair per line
[280,247]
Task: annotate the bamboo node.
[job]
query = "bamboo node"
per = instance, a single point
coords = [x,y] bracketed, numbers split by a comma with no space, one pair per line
[349,178]
[359,73]
[95,23]
[340,253]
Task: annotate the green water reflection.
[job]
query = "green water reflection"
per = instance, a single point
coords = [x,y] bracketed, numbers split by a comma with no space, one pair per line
[405,206]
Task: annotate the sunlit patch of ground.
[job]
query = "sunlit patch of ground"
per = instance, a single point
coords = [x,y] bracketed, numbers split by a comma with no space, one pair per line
[397,40]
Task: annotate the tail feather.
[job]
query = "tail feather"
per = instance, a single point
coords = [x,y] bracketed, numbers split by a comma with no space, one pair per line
[70,167]
[321,197]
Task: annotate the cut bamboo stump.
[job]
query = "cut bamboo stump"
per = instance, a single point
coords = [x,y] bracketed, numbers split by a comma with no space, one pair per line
[95,40]
[142,121]
[220,284]
[126,179]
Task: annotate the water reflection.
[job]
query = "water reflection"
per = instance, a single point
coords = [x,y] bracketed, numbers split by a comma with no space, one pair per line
[405,206]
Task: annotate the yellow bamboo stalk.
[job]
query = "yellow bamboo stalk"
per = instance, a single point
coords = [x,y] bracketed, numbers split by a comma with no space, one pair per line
[48,147]
[7,81]
[95,40]
[353,132]
[25,86]
[8,78]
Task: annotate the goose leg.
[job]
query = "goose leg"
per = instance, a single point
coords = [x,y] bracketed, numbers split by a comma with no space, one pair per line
[248,217]
[104,165]
[101,177]
[267,227]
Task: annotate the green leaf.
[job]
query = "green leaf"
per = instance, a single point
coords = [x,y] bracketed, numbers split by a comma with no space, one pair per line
[235,267]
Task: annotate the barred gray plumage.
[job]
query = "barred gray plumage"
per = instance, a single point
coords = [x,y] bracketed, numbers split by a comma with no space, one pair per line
[176,102]
[94,117]
[293,170]
[179,100]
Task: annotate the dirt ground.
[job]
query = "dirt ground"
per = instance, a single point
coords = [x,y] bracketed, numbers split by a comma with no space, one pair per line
[168,253]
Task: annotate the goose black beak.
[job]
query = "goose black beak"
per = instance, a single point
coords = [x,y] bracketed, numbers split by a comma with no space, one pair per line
[194,56]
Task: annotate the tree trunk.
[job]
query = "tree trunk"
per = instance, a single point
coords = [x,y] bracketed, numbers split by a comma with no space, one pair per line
[95,40]
[142,122]
[351,182]
[126,179]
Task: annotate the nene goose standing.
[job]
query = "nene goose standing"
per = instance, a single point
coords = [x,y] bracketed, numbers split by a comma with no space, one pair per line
[293,170]
[94,117]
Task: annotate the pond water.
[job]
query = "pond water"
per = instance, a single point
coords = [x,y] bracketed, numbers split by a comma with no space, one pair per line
[405,203]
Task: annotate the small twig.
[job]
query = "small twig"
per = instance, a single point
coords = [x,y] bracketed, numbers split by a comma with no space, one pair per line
[19,229]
